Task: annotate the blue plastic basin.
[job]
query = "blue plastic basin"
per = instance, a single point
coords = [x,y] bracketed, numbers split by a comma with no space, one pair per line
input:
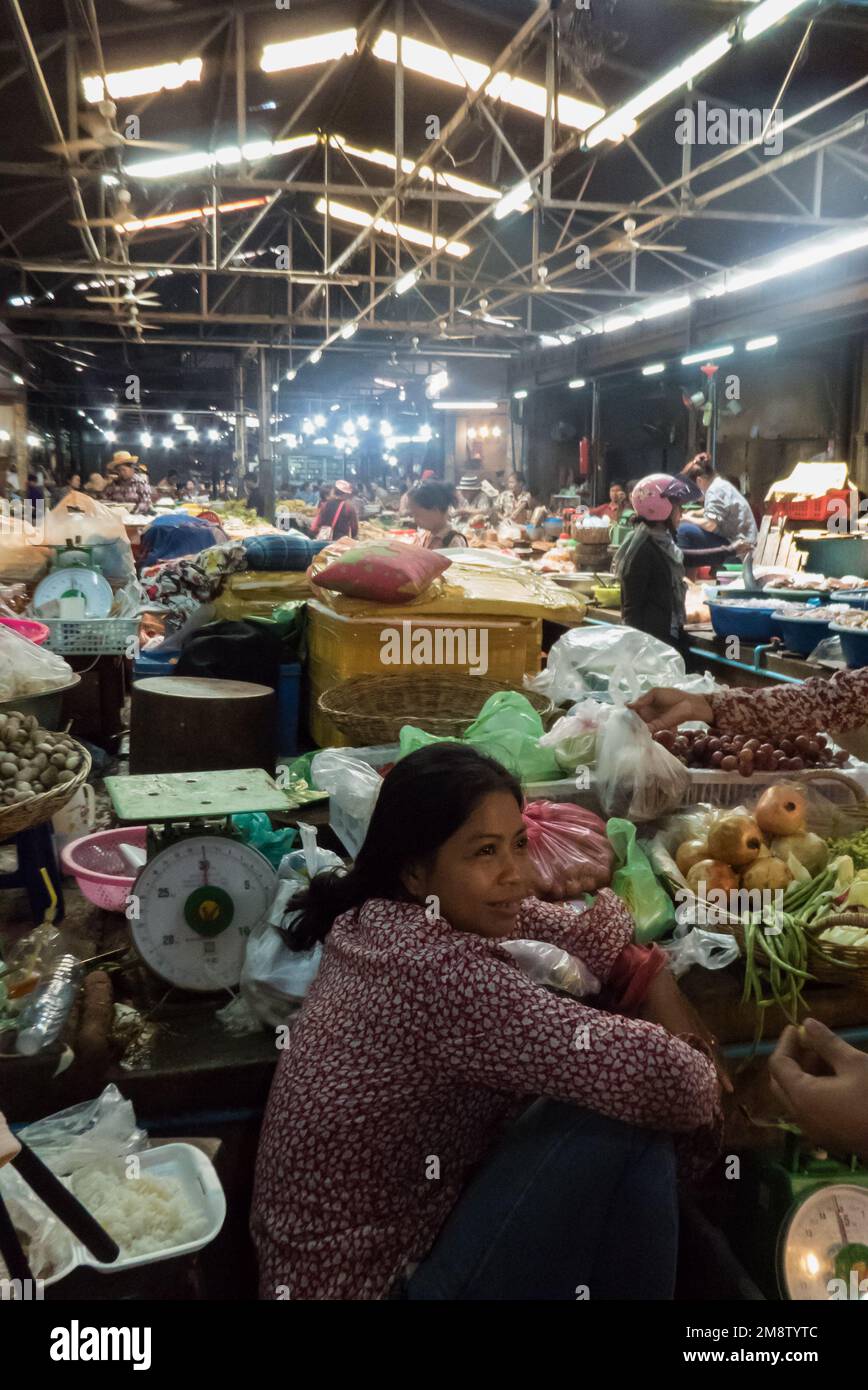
[802,634]
[854,644]
[751,624]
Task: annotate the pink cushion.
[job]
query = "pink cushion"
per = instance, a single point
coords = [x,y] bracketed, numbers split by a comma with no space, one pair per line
[384,571]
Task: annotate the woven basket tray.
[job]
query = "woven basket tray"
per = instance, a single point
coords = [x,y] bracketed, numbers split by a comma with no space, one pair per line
[591,535]
[373,709]
[23,815]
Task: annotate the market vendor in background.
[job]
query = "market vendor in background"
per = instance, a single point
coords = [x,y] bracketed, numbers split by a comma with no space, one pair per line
[474,501]
[407,485]
[515,503]
[616,505]
[437,1129]
[126,485]
[169,486]
[726,518]
[430,505]
[95,485]
[337,515]
[649,564]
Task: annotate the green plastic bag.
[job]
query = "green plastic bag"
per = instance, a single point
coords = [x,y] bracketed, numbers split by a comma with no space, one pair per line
[254,827]
[508,729]
[636,883]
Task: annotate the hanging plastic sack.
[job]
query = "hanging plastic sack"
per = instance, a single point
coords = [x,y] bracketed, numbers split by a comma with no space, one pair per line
[26,669]
[508,729]
[636,777]
[573,738]
[552,967]
[582,661]
[637,885]
[354,782]
[83,520]
[568,849]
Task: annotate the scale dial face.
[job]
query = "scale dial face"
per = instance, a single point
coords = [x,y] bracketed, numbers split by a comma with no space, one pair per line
[826,1238]
[199,900]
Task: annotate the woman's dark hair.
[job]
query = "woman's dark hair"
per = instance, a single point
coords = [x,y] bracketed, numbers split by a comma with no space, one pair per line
[423,801]
[433,495]
[521,479]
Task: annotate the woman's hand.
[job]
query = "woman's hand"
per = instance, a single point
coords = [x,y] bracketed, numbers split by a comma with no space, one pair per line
[666,709]
[666,1005]
[823,1083]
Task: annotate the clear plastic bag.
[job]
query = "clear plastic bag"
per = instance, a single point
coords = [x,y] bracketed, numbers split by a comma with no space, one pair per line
[548,965]
[568,849]
[83,520]
[339,774]
[573,739]
[26,669]
[695,946]
[46,1242]
[636,777]
[582,662]
[96,1131]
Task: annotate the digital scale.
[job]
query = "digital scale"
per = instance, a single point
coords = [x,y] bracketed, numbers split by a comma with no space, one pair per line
[801,1225]
[202,889]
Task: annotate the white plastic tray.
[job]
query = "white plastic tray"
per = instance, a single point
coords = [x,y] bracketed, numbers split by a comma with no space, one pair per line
[197,1177]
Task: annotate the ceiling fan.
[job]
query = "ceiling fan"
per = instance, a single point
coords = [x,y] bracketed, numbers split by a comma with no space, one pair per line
[123,213]
[104,136]
[631,243]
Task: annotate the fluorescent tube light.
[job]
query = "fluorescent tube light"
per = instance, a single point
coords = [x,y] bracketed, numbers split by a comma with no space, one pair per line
[616,321]
[707,355]
[140,82]
[291,374]
[315,356]
[254,150]
[576,383]
[304,53]
[458,71]
[342,212]
[406,282]
[754,344]
[519,395]
[654,369]
[765,15]
[513,200]
[622,120]
[465,405]
[174,219]
[388,161]
[655,308]
[349,329]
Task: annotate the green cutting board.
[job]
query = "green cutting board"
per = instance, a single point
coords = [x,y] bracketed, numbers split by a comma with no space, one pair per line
[191,795]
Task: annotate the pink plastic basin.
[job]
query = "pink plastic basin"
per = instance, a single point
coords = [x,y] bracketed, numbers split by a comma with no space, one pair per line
[99,867]
[26,627]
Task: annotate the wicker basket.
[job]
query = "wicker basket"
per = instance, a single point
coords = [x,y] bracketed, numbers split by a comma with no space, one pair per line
[372,710]
[23,815]
[594,536]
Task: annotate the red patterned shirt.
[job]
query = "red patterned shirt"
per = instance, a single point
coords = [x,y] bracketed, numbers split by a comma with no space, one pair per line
[416,1045]
[840,703]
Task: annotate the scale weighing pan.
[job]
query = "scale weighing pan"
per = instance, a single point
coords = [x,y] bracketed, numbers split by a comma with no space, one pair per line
[89,584]
[194,795]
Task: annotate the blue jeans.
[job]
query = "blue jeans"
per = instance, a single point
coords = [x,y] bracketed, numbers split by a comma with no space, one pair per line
[568,1199]
[689,537]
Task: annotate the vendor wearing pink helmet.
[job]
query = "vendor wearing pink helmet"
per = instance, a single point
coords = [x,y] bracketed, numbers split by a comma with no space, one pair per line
[649,564]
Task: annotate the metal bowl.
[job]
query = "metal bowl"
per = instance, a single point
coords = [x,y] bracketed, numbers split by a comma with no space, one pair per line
[47,707]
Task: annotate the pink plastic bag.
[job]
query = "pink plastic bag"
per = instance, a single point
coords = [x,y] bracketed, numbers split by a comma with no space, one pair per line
[568,849]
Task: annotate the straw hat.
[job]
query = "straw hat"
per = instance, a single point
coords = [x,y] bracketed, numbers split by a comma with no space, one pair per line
[343,486]
[96,482]
[469,482]
[122,456]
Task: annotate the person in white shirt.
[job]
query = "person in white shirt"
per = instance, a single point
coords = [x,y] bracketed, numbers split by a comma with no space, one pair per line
[726,516]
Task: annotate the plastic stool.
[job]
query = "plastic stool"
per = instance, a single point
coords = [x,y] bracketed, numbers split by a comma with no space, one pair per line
[34,850]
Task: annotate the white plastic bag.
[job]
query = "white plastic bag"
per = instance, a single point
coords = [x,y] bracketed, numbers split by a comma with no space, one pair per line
[582,661]
[551,966]
[274,979]
[46,1242]
[355,782]
[637,779]
[695,946]
[83,520]
[97,1131]
[26,669]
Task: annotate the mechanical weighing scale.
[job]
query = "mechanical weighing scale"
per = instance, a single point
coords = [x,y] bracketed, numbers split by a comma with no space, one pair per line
[802,1222]
[202,889]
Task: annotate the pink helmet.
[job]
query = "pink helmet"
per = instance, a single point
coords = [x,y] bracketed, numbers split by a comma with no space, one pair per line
[654,497]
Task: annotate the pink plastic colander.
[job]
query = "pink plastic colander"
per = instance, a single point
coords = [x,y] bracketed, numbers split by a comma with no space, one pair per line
[26,627]
[100,869]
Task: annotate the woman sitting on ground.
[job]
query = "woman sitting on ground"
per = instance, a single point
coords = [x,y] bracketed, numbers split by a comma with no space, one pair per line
[442,1128]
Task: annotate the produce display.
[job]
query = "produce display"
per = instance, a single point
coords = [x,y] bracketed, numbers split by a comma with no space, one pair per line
[32,760]
[857,618]
[802,879]
[722,752]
